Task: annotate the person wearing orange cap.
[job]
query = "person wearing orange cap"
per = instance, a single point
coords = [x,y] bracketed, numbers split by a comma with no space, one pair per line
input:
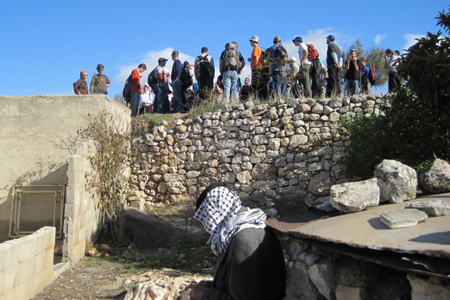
[80,87]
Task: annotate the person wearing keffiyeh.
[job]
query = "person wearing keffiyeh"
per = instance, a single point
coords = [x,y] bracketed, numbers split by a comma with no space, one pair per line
[250,259]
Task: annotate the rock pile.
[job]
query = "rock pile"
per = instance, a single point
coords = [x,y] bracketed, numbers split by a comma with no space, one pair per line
[394,182]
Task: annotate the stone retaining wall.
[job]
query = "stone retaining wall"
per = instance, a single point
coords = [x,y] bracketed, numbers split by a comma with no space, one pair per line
[26,264]
[314,273]
[272,151]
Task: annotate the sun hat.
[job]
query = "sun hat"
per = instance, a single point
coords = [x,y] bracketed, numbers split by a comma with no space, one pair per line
[254,39]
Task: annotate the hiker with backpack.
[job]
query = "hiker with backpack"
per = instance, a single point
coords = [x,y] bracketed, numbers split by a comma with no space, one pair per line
[364,77]
[305,65]
[100,82]
[204,73]
[278,59]
[320,87]
[136,89]
[265,81]
[158,80]
[230,64]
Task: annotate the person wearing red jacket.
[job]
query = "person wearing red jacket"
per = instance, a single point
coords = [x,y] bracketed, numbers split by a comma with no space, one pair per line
[136,89]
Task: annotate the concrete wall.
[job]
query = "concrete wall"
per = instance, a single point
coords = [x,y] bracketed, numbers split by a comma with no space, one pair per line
[36,135]
[26,264]
[83,219]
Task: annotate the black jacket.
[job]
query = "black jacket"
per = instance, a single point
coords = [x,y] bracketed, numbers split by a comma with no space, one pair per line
[252,269]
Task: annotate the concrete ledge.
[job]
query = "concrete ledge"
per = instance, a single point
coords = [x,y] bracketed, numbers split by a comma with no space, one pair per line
[60,268]
[26,266]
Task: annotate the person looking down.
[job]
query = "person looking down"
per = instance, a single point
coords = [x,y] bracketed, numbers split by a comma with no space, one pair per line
[250,261]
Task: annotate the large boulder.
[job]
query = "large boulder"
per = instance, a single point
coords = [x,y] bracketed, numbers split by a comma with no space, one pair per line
[355,196]
[397,181]
[436,177]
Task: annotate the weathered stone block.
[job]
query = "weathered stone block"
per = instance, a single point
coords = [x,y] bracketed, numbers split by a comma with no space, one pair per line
[436,177]
[433,208]
[397,181]
[355,196]
[402,218]
[353,293]
[424,288]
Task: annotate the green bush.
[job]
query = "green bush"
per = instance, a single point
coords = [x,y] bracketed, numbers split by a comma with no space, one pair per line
[411,132]
[109,164]
[366,149]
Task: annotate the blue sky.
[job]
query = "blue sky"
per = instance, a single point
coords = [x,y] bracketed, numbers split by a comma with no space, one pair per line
[46,43]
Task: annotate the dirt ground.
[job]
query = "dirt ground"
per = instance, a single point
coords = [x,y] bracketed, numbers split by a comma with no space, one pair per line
[111,270]
[91,279]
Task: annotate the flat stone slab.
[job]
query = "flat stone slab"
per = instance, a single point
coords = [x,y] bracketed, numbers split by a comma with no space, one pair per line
[365,230]
[402,218]
[433,208]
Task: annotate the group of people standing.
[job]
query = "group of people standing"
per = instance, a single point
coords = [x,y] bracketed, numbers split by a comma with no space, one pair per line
[99,83]
[171,89]
[357,72]
[273,74]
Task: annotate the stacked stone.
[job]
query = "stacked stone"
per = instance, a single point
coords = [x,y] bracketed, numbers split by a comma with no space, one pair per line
[270,151]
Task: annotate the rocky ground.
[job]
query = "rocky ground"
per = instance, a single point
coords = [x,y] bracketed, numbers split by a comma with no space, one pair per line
[173,255]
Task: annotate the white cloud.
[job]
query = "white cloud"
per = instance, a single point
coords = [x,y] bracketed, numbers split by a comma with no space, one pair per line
[379,38]
[150,59]
[411,39]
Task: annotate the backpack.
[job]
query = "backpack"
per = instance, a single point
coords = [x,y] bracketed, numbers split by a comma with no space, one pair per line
[313,54]
[186,79]
[204,65]
[126,93]
[152,79]
[316,68]
[283,55]
[230,58]
[372,75]
[74,89]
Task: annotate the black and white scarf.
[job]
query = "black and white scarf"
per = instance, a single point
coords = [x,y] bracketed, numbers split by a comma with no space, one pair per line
[222,217]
